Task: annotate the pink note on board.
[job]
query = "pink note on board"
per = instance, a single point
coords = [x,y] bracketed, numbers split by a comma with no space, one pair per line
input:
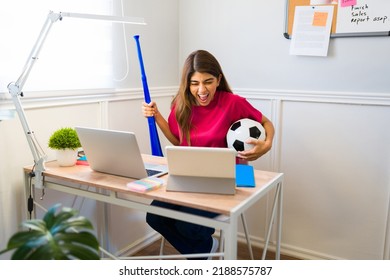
[347,3]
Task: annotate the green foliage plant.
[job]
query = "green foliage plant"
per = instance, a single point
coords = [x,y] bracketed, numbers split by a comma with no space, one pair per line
[57,236]
[64,138]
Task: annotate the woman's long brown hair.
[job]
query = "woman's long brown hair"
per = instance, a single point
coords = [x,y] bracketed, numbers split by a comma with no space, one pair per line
[198,61]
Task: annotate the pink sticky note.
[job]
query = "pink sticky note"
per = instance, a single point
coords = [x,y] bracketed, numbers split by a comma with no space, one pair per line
[346,3]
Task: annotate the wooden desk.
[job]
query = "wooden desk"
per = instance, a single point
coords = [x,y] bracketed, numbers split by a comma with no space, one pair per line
[109,189]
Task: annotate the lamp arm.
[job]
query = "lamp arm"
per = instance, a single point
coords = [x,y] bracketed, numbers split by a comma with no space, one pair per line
[15,90]
[36,150]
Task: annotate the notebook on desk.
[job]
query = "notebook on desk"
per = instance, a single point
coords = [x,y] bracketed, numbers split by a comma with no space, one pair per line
[201,170]
[116,152]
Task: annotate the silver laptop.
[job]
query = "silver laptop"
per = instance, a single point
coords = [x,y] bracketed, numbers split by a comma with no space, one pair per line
[116,152]
[201,170]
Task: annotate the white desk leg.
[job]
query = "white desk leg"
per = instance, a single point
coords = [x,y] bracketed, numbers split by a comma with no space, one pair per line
[276,207]
[279,220]
[102,223]
[231,239]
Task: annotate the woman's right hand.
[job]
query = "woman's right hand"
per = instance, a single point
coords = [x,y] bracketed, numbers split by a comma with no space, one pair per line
[149,110]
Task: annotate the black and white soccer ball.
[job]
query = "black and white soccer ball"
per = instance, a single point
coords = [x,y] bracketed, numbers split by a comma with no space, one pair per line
[241,130]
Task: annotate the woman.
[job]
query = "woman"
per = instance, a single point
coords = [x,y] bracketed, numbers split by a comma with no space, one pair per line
[201,113]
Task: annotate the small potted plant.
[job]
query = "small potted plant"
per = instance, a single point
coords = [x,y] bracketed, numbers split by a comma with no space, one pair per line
[66,143]
[60,235]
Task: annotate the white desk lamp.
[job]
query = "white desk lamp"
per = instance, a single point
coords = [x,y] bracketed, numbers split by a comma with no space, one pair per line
[15,88]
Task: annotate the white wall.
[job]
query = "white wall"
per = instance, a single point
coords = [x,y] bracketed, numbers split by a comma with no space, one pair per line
[158,40]
[247,36]
[337,178]
[331,116]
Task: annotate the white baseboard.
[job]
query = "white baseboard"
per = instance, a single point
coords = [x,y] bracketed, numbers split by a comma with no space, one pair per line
[288,250]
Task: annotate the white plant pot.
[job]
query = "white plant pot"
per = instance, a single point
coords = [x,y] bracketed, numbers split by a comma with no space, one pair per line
[67,157]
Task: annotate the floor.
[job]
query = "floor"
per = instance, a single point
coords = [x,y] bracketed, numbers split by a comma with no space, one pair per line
[242,251]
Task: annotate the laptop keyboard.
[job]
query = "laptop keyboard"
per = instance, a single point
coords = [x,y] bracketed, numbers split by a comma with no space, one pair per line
[152,172]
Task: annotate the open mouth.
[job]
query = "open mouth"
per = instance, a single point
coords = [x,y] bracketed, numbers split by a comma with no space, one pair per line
[203,97]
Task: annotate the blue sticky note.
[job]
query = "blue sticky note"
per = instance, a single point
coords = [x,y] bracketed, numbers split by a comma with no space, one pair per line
[245,176]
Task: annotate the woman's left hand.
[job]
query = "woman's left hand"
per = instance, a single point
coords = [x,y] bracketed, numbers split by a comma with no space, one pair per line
[260,147]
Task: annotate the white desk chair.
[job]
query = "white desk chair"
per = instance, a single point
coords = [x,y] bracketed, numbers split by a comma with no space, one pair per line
[222,217]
